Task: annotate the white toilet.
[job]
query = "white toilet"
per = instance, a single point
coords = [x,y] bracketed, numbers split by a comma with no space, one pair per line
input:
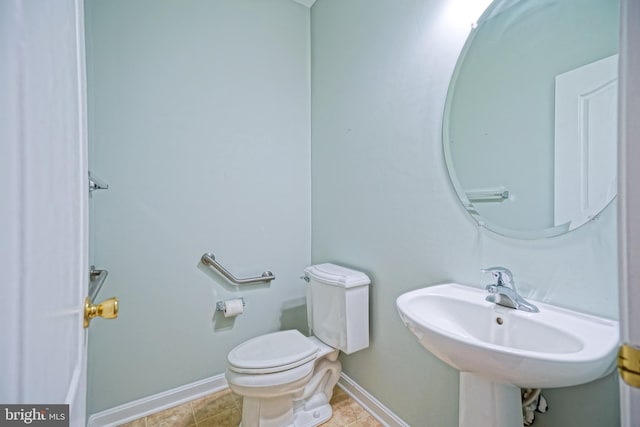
[287,379]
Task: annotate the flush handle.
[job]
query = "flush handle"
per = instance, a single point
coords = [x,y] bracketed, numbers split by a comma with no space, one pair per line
[107,309]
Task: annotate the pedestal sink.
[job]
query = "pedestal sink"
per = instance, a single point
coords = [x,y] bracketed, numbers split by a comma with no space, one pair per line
[499,350]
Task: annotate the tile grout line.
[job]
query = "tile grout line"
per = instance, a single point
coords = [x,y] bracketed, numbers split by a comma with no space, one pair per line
[193,412]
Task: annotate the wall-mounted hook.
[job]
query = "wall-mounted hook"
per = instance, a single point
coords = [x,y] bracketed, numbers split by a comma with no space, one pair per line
[96,183]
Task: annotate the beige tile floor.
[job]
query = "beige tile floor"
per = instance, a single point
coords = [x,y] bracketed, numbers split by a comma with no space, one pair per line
[223,409]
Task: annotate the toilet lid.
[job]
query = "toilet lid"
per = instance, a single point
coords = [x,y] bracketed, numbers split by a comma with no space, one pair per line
[274,352]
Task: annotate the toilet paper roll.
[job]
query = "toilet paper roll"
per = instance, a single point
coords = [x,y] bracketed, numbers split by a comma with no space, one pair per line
[233,307]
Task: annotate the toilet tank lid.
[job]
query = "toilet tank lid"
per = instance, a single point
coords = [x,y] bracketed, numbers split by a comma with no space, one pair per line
[337,275]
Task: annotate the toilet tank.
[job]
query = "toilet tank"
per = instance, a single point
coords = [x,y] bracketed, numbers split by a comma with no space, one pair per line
[338,306]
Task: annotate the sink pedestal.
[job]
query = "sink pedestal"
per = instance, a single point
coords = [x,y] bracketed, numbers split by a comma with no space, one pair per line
[484,403]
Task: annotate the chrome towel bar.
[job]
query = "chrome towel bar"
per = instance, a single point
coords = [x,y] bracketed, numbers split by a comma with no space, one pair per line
[209,260]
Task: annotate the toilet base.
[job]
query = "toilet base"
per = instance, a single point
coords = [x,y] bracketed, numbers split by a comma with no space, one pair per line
[270,412]
[279,412]
[313,418]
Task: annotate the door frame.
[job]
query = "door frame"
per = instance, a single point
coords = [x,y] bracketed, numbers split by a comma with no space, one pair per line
[629,196]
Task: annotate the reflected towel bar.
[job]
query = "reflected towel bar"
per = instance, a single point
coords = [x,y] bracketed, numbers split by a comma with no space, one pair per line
[209,259]
[488,195]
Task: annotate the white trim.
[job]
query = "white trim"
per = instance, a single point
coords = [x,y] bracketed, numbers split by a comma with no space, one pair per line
[77,391]
[629,199]
[372,405]
[158,402]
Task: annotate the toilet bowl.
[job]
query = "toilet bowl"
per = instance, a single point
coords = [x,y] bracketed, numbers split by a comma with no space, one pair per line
[273,383]
[285,378]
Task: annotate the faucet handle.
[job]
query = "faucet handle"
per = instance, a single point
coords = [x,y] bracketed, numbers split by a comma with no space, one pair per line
[502,276]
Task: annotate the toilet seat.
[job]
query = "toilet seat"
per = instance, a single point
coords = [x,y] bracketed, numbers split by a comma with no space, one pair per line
[271,353]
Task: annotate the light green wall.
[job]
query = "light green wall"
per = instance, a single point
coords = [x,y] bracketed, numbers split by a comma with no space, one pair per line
[382,202]
[199,122]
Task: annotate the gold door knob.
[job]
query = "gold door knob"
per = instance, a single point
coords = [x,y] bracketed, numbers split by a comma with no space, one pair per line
[107,309]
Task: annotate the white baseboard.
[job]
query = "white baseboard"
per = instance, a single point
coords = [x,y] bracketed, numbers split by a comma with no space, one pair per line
[177,396]
[156,403]
[380,412]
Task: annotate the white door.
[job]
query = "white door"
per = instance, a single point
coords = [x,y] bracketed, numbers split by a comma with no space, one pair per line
[43,205]
[629,202]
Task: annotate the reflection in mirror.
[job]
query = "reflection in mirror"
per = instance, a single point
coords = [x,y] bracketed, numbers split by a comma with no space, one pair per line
[529,129]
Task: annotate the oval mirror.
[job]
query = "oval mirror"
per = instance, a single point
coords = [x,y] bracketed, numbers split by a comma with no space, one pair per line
[529,129]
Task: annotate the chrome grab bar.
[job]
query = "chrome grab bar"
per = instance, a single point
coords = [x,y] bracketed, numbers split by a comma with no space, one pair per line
[209,260]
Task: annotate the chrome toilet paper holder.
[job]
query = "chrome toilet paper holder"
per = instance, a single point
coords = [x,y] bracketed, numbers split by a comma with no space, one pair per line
[222,305]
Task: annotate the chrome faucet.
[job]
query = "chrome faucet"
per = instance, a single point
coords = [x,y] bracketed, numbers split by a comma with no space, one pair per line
[504,293]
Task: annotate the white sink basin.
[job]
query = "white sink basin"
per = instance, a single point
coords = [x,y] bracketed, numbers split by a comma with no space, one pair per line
[552,348]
